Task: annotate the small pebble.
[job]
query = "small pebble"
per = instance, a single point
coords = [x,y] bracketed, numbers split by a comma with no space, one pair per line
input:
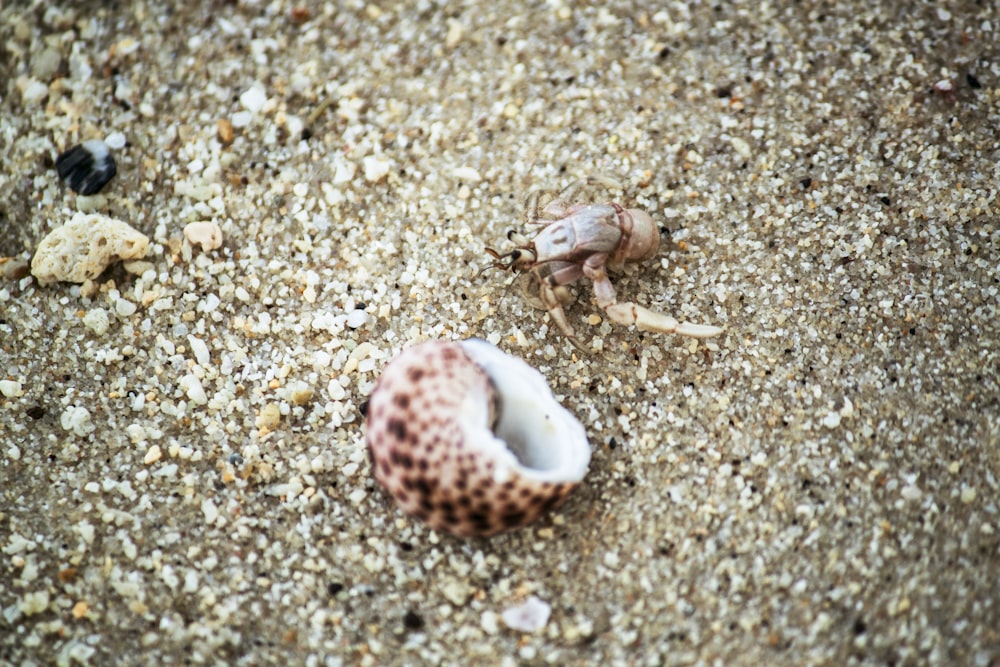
[529,616]
[32,91]
[125,308]
[115,141]
[376,168]
[97,321]
[10,388]
[253,99]
[224,127]
[269,416]
[467,174]
[80,609]
[14,268]
[87,167]
[357,318]
[206,234]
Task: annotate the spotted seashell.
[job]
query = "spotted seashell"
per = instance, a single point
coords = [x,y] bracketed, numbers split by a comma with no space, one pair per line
[470,439]
[87,167]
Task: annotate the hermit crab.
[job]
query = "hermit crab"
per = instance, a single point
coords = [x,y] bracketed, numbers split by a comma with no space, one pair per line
[584,240]
[470,439]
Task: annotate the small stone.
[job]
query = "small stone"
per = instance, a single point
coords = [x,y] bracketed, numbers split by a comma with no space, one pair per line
[253,99]
[529,616]
[14,268]
[210,510]
[300,395]
[466,174]
[115,141]
[193,389]
[741,147]
[34,603]
[206,234]
[87,167]
[269,416]
[242,119]
[357,318]
[125,308]
[200,350]
[456,591]
[968,494]
[80,609]
[97,320]
[85,246]
[224,128]
[153,454]
[376,168]
[488,622]
[77,419]
[32,91]
[10,388]
[831,420]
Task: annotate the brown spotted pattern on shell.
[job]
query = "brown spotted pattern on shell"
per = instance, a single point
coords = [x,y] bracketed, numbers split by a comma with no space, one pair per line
[470,439]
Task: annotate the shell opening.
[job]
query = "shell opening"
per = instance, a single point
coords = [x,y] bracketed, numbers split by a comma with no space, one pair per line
[536,434]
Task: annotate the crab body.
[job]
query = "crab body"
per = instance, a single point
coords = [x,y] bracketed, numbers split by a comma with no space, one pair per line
[584,240]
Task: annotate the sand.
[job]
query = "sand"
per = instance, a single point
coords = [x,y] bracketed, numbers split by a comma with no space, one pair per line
[183,473]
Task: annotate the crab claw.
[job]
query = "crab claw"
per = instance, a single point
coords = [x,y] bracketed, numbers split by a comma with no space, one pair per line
[648,320]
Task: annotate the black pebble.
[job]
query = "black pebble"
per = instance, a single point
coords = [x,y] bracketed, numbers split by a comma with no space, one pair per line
[87,167]
[412,621]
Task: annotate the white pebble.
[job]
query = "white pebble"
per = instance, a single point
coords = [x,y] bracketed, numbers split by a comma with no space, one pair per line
[200,350]
[153,454]
[97,321]
[253,99]
[376,168]
[34,602]
[488,622]
[124,308]
[344,173]
[831,420]
[241,119]
[968,494]
[76,419]
[32,91]
[741,147]
[10,388]
[210,511]
[336,390]
[115,140]
[357,318]
[193,389]
[467,174]
[529,616]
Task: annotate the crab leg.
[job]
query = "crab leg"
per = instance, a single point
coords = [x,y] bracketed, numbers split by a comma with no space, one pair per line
[650,320]
[632,313]
[554,305]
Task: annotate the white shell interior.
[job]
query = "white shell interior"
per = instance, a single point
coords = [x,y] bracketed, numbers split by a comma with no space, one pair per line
[535,437]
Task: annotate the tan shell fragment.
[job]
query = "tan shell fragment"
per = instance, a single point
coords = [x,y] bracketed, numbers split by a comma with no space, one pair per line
[81,249]
[471,440]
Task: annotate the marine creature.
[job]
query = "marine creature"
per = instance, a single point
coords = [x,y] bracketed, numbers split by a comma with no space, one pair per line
[470,439]
[585,240]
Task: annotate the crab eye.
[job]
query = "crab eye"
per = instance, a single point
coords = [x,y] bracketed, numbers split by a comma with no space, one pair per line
[510,234]
[515,255]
